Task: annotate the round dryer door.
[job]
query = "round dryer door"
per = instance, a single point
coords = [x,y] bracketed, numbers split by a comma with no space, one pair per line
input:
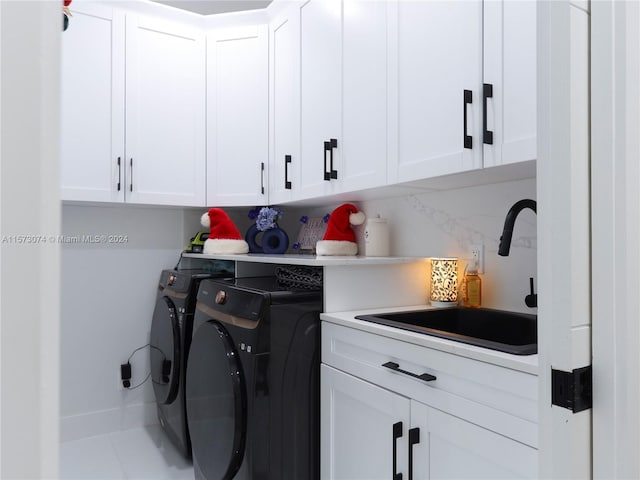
[165,351]
[216,402]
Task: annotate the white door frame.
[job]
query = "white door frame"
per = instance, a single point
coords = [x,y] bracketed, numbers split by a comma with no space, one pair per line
[564,313]
[615,184]
[30,32]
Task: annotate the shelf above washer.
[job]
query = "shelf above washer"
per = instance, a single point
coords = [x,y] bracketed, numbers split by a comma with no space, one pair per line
[309,260]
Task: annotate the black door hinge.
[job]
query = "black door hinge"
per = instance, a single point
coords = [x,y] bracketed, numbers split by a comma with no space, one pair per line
[572,390]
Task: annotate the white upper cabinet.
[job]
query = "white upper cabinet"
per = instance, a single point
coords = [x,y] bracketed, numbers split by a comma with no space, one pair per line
[321,96]
[343,97]
[510,77]
[365,81]
[148,90]
[436,96]
[237,116]
[92,162]
[284,101]
[165,113]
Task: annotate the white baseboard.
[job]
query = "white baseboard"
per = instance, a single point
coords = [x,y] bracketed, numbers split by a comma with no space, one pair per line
[75,427]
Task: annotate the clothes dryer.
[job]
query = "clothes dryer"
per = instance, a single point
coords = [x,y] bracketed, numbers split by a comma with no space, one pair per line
[253,381]
[170,338]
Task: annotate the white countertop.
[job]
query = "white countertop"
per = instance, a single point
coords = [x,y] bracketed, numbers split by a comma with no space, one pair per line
[310,260]
[523,363]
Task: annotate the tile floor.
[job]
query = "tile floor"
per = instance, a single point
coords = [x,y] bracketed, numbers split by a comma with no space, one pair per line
[139,453]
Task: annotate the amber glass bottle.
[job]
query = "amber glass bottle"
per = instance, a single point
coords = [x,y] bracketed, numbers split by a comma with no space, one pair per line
[473,297]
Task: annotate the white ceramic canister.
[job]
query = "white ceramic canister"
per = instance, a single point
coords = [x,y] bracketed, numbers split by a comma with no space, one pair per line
[376,237]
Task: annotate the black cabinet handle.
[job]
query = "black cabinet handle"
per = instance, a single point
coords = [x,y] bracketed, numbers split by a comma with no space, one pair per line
[487,92]
[397,433]
[333,143]
[119,173]
[467,99]
[327,174]
[287,161]
[262,178]
[330,173]
[131,176]
[414,437]
[424,376]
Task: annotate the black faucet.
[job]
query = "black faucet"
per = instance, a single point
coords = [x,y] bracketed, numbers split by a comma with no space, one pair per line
[530,300]
[509,221]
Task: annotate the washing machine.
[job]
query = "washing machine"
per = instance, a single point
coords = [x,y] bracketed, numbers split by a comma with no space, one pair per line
[171,330]
[253,381]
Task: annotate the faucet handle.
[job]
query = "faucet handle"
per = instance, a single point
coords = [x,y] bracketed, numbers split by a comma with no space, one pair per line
[531,300]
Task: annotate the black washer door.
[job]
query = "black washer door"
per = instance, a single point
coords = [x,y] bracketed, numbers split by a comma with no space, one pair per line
[165,351]
[216,402]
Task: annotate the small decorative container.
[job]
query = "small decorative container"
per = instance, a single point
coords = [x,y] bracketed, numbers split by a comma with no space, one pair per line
[274,239]
[444,282]
[376,237]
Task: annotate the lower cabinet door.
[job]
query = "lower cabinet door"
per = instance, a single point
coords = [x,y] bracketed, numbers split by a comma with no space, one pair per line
[450,447]
[363,429]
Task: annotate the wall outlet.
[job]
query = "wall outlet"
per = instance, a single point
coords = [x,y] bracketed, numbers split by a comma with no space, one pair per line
[476,252]
[119,380]
[124,369]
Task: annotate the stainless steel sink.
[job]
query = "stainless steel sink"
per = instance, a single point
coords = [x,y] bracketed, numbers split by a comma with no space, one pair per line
[509,332]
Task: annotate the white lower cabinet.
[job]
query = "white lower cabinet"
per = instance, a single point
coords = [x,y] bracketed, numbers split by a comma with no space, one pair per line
[380,423]
[449,447]
[357,433]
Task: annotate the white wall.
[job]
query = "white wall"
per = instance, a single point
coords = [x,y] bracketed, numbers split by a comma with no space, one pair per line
[108,295]
[446,223]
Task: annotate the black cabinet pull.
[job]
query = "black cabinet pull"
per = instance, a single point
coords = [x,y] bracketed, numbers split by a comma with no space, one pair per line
[262,178]
[423,376]
[333,143]
[414,437]
[467,99]
[131,176]
[287,161]
[327,173]
[487,92]
[119,173]
[397,433]
[330,173]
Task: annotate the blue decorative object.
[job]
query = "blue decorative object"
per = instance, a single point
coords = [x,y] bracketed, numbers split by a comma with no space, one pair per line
[274,239]
[266,217]
[250,238]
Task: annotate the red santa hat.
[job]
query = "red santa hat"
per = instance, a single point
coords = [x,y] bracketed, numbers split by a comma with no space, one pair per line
[224,237]
[339,238]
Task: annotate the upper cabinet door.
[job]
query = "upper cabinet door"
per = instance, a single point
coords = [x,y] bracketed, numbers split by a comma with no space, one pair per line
[363,152]
[93,106]
[165,113]
[321,95]
[237,116]
[284,101]
[438,49]
[344,94]
[510,72]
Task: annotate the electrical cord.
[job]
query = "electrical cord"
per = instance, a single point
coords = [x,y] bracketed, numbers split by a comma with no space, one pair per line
[179,260]
[137,350]
[141,383]
[129,365]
